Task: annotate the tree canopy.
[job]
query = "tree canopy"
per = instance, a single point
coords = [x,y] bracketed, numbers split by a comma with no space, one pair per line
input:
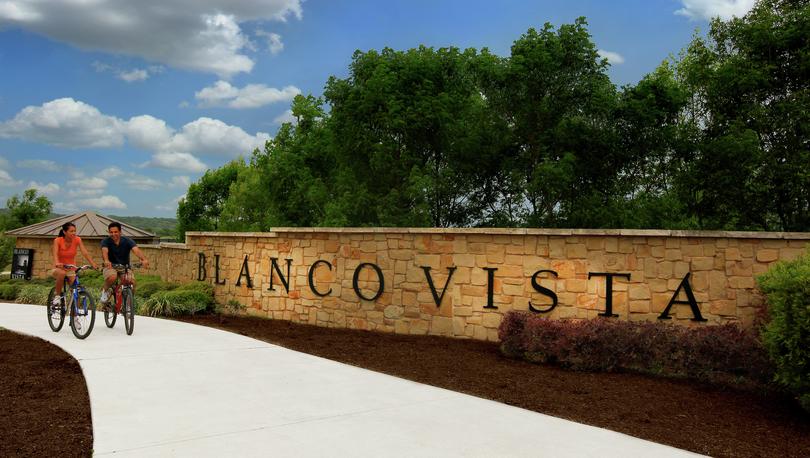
[716,138]
[30,208]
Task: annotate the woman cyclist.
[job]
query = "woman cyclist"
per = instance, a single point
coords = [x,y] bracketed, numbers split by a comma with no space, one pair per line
[65,247]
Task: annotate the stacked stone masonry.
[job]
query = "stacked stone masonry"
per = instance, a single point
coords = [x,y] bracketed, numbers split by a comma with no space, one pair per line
[722,267]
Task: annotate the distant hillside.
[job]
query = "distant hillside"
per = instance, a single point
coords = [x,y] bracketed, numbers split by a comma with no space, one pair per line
[164,227]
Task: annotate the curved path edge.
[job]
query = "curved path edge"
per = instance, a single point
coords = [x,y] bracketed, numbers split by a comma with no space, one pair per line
[177,389]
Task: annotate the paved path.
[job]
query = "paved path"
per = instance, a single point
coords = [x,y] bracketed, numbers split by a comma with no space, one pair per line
[176,389]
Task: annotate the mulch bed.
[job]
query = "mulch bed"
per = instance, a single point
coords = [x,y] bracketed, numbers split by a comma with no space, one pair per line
[692,416]
[44,406]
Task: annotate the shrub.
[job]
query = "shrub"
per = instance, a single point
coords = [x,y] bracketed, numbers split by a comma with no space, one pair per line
[232,307]
[787,335]
[91,279]
[9,291]
[177,302]
[33,294]
[158,305]
[146,289]
[200,286]
[510,334]
[33,281]
[724,354]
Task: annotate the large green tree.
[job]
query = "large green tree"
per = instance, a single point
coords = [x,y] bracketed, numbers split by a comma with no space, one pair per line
[557,98]
[201,207]
[411,132]
[655,141]
[289,183]
[30,208]
[750,84]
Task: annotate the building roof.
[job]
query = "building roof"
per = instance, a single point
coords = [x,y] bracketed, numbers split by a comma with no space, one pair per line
[88,225]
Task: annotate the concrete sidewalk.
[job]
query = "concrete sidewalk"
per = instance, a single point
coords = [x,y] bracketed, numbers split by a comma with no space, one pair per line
[175,389]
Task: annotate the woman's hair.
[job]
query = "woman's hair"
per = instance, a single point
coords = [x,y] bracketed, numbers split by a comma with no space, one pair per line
[65,228]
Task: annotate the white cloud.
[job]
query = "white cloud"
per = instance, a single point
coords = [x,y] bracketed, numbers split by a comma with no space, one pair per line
[111,172]
[171,205]
[213,137]
[613,58]
[84,192]
[136,74]
[142,183]
[39,164]
[203,35]
[287,116]
[50,189]
[709,9]
[274,43]
[181,181]
[177,161]
[147,132]
[87,183]
[223,93]
[65,207]
[66,123]
[74,124]
[6,180]
[105,202]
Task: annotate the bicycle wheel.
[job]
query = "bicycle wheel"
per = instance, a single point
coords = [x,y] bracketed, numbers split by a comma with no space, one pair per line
[83,315]
[109,310]
[56,314]
[129,310]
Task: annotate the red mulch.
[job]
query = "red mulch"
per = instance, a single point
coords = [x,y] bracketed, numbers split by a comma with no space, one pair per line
[45,407]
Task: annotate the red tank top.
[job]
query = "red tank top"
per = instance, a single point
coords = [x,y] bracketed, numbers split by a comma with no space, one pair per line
[67,254]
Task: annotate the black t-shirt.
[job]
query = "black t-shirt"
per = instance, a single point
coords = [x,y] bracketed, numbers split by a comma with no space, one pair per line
[118,254]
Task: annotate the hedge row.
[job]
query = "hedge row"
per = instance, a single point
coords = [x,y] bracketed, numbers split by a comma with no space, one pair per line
[153,296]
[724,354]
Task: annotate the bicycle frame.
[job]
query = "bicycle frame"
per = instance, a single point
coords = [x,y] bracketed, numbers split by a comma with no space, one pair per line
[122,281]
[71,292]
[75,302]
[122,288]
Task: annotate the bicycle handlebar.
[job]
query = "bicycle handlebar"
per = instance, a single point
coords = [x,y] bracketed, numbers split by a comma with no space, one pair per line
[137,265]
[78,268]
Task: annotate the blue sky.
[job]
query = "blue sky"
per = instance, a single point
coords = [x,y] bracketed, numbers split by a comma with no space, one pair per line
[116,106]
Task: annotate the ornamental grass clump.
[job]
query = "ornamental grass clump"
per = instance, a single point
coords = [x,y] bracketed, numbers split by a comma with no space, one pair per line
[33,294]
[186,299]
[787,333]
[9,291]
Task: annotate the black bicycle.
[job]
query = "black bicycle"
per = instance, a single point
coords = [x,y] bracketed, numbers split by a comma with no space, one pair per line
[123,293]
[74,298]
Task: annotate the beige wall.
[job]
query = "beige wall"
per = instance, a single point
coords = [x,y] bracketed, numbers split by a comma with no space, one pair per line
[721,266]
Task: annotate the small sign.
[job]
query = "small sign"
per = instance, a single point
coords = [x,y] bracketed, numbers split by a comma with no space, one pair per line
[21,263]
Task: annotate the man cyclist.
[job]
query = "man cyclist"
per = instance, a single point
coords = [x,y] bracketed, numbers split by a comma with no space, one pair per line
[115,249]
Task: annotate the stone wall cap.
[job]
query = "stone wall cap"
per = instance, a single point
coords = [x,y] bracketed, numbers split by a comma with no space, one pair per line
[511,231]
[162,245]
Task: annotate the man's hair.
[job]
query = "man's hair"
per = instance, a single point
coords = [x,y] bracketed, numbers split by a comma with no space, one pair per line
[114,224]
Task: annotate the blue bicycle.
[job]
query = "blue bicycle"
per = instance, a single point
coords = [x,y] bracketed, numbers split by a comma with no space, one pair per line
[74,298]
